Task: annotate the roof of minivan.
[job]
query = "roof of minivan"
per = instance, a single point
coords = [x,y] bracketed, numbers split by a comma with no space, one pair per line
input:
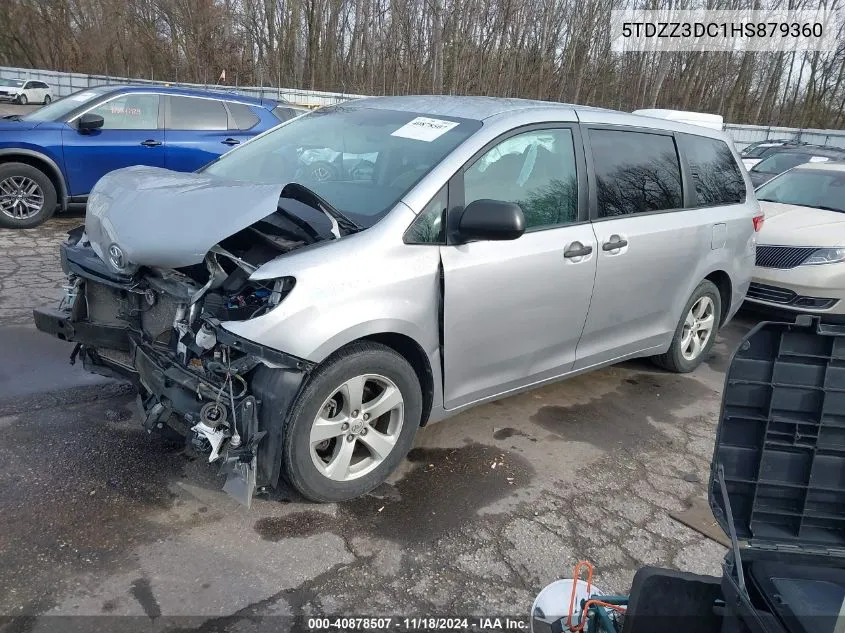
[478,108]
[481,108]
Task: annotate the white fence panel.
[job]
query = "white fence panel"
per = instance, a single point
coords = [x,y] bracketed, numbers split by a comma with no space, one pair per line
[743,135]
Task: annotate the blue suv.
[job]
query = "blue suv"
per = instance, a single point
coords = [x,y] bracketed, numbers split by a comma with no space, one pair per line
[51,158]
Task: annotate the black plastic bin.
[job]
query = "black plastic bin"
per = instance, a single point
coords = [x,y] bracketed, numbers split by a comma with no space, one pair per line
[777,481]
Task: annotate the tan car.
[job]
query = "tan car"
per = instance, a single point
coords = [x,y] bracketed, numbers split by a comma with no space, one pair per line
[801,246]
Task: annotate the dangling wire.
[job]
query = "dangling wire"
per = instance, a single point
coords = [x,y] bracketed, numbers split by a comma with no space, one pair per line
[590,603]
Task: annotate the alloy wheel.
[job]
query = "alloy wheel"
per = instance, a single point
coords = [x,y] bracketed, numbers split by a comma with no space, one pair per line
[698,328]
[357,427]
[21,197]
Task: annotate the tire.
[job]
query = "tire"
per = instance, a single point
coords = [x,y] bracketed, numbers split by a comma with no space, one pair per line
[677,358]
[22,100]
[15,216]
[47,99]
[299,462]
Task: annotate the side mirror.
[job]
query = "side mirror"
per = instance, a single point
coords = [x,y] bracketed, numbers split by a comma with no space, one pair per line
[89,122]
[491,220]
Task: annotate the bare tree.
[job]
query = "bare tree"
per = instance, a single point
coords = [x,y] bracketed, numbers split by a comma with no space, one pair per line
[547,49]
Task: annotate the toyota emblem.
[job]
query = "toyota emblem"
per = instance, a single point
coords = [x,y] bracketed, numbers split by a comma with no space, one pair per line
[116,257]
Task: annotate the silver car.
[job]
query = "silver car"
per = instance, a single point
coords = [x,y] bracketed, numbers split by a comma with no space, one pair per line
[306,329]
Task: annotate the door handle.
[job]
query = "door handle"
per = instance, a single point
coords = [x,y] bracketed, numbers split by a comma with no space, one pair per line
[150,143]
[577,251]
[615,244]
[231,141]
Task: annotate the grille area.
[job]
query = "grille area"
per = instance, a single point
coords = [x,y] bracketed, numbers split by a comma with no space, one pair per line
[782,256]
[784,296]
[771,293]
[157,320]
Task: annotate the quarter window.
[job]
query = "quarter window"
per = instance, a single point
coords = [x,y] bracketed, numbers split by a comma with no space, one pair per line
[535,170]
[188,113]
[430,225]
[715,174]
[129,112]
[244,117]
[636,172]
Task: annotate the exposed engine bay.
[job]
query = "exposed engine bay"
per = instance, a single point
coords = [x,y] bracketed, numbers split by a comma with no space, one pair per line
[160,327]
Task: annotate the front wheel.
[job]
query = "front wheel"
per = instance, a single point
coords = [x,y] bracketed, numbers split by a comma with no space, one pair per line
[27,196]
[22,100]
[696,333]
[353,423]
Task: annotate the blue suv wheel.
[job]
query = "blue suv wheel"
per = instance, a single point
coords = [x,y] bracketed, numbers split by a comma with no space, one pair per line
[27,196]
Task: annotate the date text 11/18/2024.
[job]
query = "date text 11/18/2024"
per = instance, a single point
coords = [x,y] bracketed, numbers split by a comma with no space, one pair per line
[486,624]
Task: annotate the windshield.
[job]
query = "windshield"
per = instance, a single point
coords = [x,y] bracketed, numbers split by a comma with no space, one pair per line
[360,160]
[757,152]
[61,108]
[14,83]
[780,162]
[819,188]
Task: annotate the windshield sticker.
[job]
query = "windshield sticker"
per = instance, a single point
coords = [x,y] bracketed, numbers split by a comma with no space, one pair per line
[425,129]
[819,159]
[82,96]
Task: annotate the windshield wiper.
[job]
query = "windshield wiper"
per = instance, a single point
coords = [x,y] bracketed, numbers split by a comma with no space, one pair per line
[12,117]
[823,208]
[306,196]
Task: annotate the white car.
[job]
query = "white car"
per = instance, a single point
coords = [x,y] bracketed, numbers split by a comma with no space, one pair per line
[24,91]
[800,264]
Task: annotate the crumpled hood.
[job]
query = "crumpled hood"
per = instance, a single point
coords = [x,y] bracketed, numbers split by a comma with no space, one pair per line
[158,217]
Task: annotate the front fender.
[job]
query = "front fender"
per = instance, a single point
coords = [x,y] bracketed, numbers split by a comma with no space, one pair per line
[50,164]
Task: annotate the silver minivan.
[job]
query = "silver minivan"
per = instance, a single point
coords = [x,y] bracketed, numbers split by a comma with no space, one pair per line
[305,327]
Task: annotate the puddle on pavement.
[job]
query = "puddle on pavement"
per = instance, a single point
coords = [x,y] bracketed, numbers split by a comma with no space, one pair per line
[88,485]
[296,525]
[620,418]
[142,591]
[507,432]
[444,489]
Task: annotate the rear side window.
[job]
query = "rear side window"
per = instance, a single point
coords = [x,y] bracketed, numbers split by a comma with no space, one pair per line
[284,114]
[187,113]
[636,172]
[244,117]
[715,174]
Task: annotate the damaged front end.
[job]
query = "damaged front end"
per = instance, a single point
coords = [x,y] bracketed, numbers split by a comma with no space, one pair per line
[163,327]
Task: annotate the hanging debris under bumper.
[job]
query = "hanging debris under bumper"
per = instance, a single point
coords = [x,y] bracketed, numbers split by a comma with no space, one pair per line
[219,400]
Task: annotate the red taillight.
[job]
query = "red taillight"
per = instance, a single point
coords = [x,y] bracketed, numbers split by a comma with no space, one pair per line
[758,222]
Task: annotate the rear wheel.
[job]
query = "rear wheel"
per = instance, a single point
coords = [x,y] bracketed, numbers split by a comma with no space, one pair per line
[353,423]
[27,196]
[47,99]
[696,333]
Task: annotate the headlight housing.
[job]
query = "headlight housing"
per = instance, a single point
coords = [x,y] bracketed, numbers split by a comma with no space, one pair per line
[825,256]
